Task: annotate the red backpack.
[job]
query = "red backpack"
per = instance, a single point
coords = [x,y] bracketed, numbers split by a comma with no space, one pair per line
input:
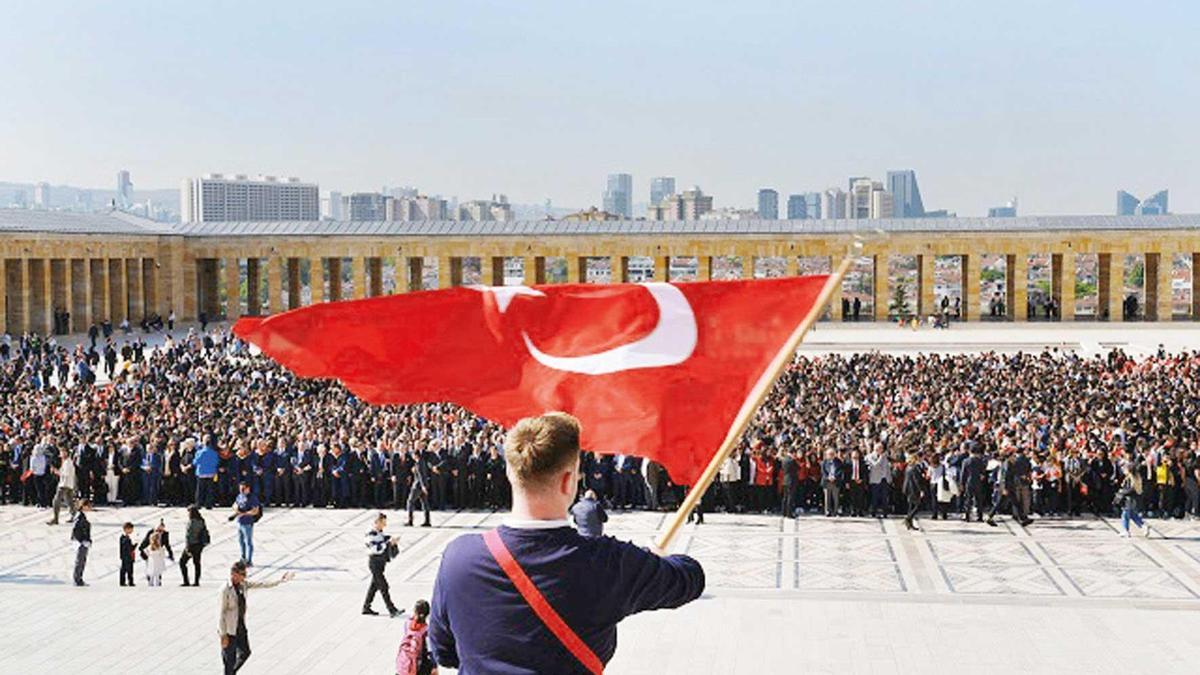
[412,647]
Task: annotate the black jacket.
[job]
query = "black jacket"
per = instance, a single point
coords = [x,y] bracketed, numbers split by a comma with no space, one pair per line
[912,481]
[197,533]
[165,540]
[82,532]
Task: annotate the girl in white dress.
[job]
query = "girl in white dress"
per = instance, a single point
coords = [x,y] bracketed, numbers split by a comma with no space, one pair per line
[155,561]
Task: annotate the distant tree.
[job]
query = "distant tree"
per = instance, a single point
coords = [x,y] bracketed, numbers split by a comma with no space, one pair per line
[899,303]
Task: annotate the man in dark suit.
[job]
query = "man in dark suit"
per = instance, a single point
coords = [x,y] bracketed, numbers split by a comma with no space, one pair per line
[419,491]
[787,478]
[912,489]
[971,480]
[589,515]
[857,475]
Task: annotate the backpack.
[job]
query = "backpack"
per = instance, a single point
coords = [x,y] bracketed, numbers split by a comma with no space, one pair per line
[411,656]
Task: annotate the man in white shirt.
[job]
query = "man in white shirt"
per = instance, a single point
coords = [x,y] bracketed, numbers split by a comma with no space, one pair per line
[66,486]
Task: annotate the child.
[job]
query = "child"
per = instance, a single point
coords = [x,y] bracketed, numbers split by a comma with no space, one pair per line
[155,560]
[413,656]
[128,553]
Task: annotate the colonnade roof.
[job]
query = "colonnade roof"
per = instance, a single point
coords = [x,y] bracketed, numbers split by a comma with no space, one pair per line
[116,222]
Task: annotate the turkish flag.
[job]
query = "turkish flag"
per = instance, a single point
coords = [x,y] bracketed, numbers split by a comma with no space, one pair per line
[656,370]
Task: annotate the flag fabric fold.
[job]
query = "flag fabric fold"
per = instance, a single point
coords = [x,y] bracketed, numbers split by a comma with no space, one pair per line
[655,370]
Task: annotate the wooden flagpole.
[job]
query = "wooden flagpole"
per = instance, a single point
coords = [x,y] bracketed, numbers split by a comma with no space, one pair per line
[757,395]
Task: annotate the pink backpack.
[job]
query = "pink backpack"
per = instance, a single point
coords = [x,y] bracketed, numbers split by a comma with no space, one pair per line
[408,657]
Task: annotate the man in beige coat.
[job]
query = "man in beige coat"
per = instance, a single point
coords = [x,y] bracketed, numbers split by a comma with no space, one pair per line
[235,642]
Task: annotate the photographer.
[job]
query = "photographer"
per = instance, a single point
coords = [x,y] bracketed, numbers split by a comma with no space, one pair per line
[382,549]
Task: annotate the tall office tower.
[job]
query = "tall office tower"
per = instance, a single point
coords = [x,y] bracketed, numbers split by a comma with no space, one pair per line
[689,205]
[1155,205]
[833,204]
[797,208]
[618,195]
[365,206]
[41,196]
[1126,203]
[331,206]
[868,199]
[421,207]
[124,190]
[661,188]
[812,205]
[906,196]
[216,197]
[1009,210]
[768,204]
[496,208]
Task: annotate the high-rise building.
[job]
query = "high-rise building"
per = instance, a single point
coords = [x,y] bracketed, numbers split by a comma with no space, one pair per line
[497,208]
[419,207]
[41,196]
[768,204]
[1154,205]
[689,205]
[216,197]
[868,199]
[797,208]
[331,206]
[365,206]
[124,190]
[618,195]
[906,196]
[833,204]
[661,188]
[812,205]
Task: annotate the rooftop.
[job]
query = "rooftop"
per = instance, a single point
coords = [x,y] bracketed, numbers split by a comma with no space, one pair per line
[116,222]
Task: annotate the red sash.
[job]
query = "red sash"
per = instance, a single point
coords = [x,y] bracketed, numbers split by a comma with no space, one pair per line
[540,606]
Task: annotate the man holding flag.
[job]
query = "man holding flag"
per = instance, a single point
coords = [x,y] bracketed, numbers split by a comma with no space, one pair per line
[671,372]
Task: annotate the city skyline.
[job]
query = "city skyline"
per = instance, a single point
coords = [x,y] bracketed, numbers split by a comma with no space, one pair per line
[984,102]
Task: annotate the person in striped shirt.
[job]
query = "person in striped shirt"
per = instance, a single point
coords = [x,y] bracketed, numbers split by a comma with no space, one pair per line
[381,551]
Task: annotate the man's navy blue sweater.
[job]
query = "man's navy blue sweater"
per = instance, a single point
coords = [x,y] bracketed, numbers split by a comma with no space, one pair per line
[481,624]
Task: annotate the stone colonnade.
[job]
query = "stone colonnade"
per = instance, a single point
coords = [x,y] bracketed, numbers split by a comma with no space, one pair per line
[67,283]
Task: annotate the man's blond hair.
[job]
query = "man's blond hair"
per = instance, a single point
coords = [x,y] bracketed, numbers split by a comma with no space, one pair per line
[538,447]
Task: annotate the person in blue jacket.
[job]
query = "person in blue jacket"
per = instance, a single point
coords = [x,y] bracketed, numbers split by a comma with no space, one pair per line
[482,623]
[206,463]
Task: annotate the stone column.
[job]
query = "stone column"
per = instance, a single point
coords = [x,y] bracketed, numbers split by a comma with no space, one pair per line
[1149,309]
[971,306]
[1195,286]
[491,270]
[926,299]
[1112,284]
[254,286]
[881,286]
[60,298]
[374,277]
[233,289]
[835,300]
[4,327]
[137,305]
[275,267]
[1066,306]
[98,269]
[535,270]
[118,291]
[293,282]
[791,266]
[150,288]
[188,279]
[1016,278]
[662,268]
[20,279]
[316,279]
[45,298]
[416,273]
[336,291]
[704,267]
[620,269]
[400,274]
[576,269]
[1166,305]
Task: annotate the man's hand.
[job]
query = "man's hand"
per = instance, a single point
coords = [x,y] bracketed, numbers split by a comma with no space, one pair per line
[224,642]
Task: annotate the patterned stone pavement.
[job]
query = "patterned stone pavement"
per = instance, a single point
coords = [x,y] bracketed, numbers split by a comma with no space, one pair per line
[845,595]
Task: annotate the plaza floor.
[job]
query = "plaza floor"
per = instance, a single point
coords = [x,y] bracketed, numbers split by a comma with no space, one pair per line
[810,595]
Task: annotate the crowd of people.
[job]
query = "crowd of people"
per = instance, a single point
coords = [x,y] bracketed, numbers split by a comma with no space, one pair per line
[1053,434]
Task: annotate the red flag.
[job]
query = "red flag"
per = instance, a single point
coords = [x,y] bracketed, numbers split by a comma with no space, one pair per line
[656,370]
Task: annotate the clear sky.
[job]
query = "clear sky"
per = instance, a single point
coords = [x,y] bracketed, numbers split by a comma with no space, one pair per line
[1059,103]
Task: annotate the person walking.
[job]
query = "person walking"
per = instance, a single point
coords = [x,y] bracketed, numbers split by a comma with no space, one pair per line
[536,569]
[246,510]
[81,534]
[1129,497]
[381,551]
[66,486]
[589,516]
[235,638]
[195,540]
